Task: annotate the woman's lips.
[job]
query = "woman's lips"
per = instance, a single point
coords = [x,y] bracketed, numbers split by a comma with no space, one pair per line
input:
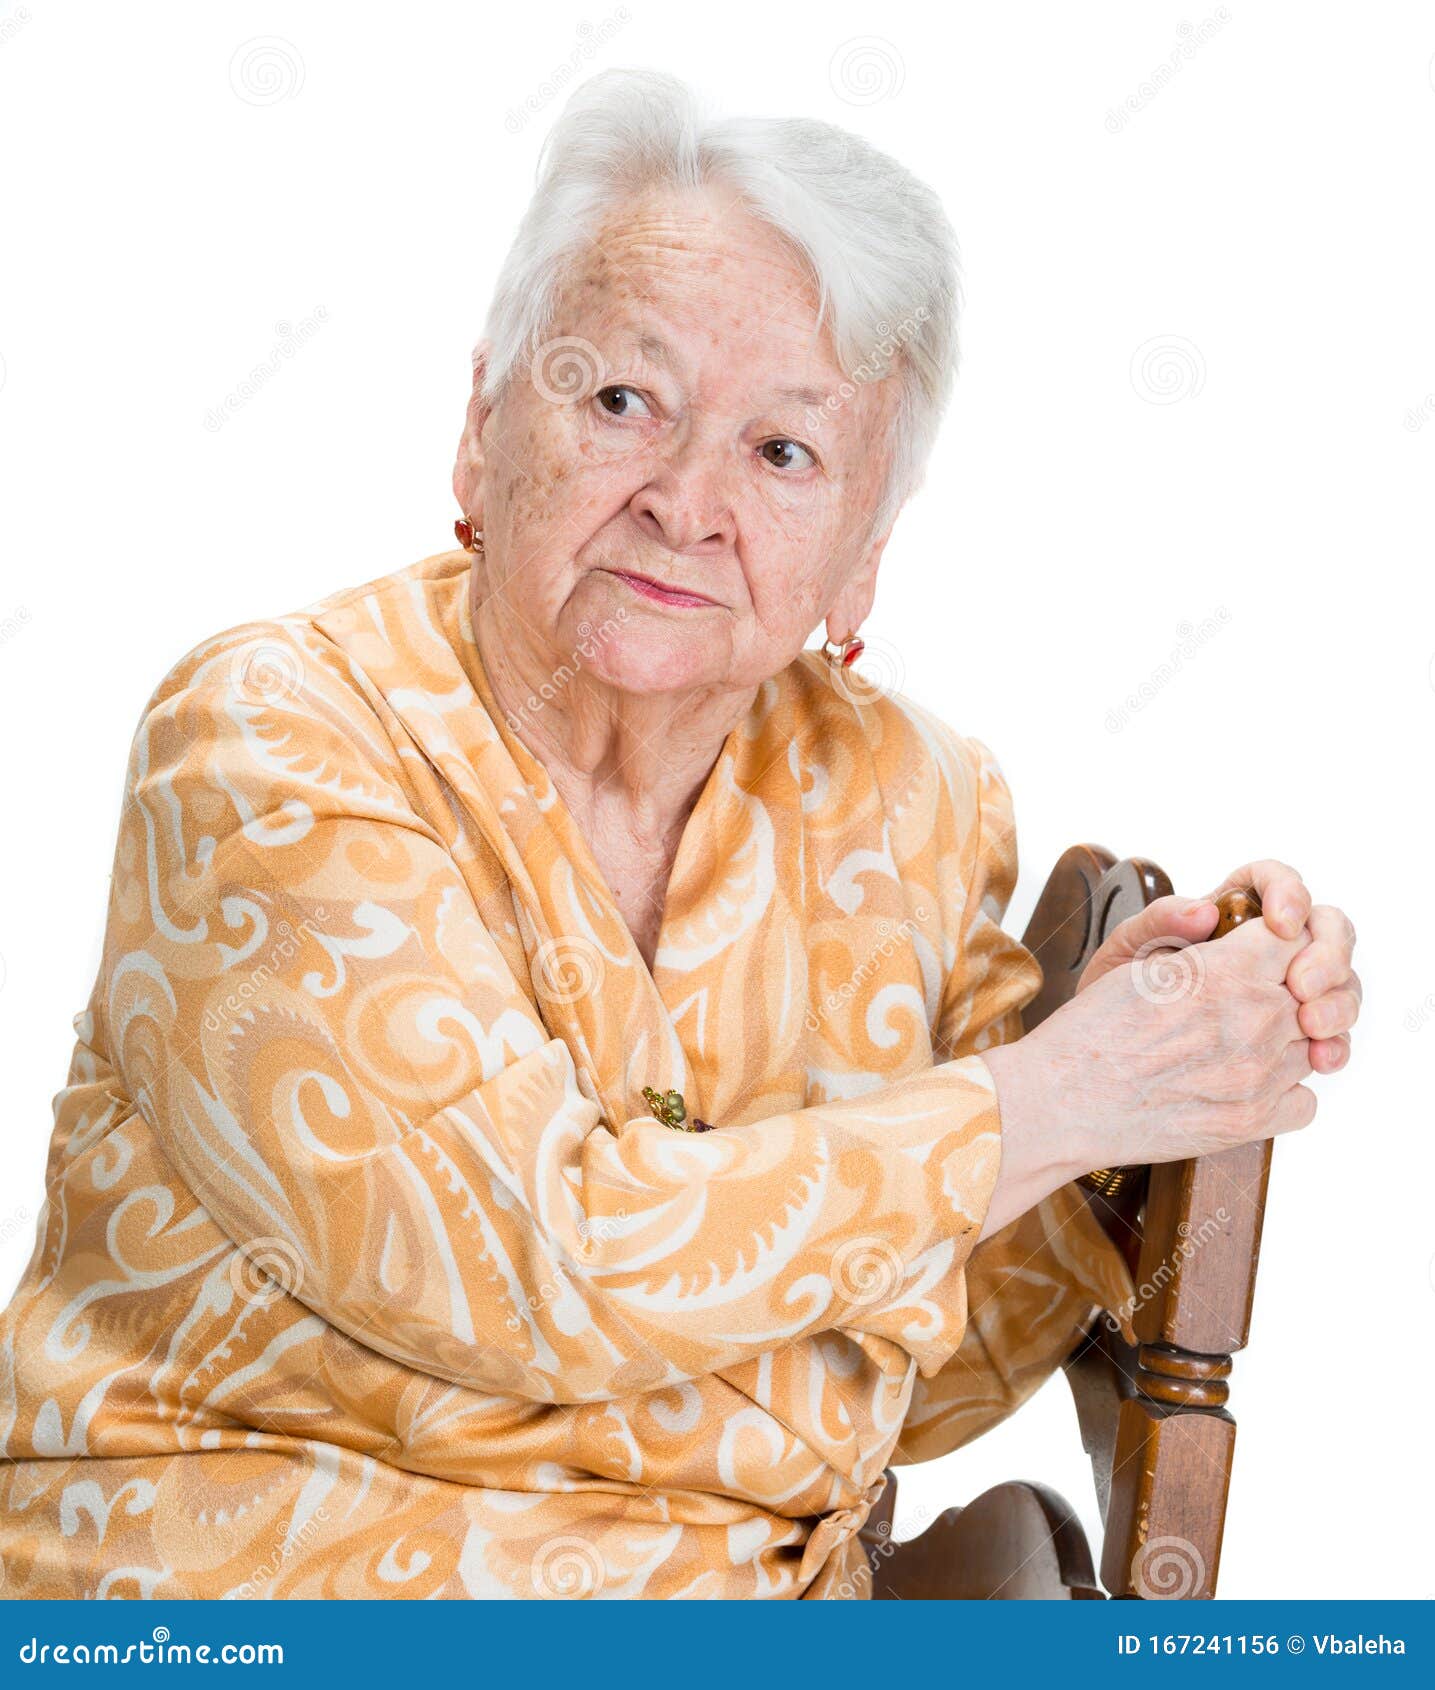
[655,590]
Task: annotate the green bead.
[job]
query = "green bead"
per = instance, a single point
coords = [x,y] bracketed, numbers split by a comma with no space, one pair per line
[675,1106]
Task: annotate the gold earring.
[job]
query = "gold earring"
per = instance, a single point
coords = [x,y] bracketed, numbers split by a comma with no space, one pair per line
[845,654]
[469,537]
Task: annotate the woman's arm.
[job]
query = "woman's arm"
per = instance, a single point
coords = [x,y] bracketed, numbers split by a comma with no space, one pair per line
[314,1018]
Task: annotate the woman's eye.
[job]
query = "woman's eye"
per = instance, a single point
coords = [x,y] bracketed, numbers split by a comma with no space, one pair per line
[786,454]
[622,402]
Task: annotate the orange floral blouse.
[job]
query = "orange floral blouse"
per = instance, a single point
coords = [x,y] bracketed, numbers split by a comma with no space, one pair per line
[364,1269]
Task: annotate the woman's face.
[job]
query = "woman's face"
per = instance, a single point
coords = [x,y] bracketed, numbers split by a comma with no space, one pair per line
[684,423]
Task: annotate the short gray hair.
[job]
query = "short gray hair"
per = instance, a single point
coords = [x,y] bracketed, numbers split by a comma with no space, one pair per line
[877,241]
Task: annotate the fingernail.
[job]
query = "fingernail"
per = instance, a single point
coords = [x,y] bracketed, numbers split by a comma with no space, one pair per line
[1291,913]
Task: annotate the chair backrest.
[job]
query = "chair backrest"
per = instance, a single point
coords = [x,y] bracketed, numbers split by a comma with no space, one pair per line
[1153,1416]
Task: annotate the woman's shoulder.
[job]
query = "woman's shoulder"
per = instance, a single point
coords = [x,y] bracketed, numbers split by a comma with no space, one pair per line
[907,744]
[280,659]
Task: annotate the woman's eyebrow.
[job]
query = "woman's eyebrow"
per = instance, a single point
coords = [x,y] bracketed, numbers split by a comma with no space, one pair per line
[655,349]
[808,396]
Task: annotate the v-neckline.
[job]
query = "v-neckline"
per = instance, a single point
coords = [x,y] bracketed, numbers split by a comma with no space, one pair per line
[677,895]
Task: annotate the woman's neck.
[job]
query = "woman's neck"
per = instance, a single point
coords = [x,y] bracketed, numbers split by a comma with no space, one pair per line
[644,757]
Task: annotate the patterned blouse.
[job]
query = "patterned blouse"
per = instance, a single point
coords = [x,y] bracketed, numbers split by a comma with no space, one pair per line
[364,1267]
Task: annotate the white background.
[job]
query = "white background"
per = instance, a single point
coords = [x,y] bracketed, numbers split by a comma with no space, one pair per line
[1198,393]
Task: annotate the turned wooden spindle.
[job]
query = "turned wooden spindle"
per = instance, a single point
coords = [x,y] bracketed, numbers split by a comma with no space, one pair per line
[1195,1278]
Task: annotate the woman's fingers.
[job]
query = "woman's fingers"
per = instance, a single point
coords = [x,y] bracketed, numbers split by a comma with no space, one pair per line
[1332,1012]
[1258,949]
[1325,962]
[1285,902]
[1327,1056]
[1295,1110]
[1170,920]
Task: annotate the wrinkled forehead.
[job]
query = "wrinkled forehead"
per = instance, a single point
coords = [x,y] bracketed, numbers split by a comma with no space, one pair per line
[692,282]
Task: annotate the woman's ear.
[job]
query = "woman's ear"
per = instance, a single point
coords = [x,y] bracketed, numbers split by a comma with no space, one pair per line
[468,466]
[853,605]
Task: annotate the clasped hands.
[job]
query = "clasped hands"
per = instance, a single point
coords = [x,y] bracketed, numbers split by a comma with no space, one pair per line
[1176,1045]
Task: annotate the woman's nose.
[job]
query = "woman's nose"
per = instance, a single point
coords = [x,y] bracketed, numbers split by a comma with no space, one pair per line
[686,502]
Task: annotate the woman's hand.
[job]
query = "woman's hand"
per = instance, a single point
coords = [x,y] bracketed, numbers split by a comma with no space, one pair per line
[1182,1052]
[1164,1053]
[1320,976]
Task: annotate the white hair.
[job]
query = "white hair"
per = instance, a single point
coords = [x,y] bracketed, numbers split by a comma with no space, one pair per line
[877,241]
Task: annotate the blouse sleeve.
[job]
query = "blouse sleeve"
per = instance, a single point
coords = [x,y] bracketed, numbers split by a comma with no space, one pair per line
[311,1013]
[1034,1287]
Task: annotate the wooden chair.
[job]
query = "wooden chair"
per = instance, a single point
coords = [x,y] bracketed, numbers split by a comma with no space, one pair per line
[1153,1418]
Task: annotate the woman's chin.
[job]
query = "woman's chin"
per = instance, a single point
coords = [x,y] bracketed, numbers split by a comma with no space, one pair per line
[639,649]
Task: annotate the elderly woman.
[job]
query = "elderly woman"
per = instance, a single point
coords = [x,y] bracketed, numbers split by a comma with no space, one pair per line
[553,1117]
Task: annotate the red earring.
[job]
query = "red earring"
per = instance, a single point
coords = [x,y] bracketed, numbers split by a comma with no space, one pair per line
[469,537]
[846,654]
